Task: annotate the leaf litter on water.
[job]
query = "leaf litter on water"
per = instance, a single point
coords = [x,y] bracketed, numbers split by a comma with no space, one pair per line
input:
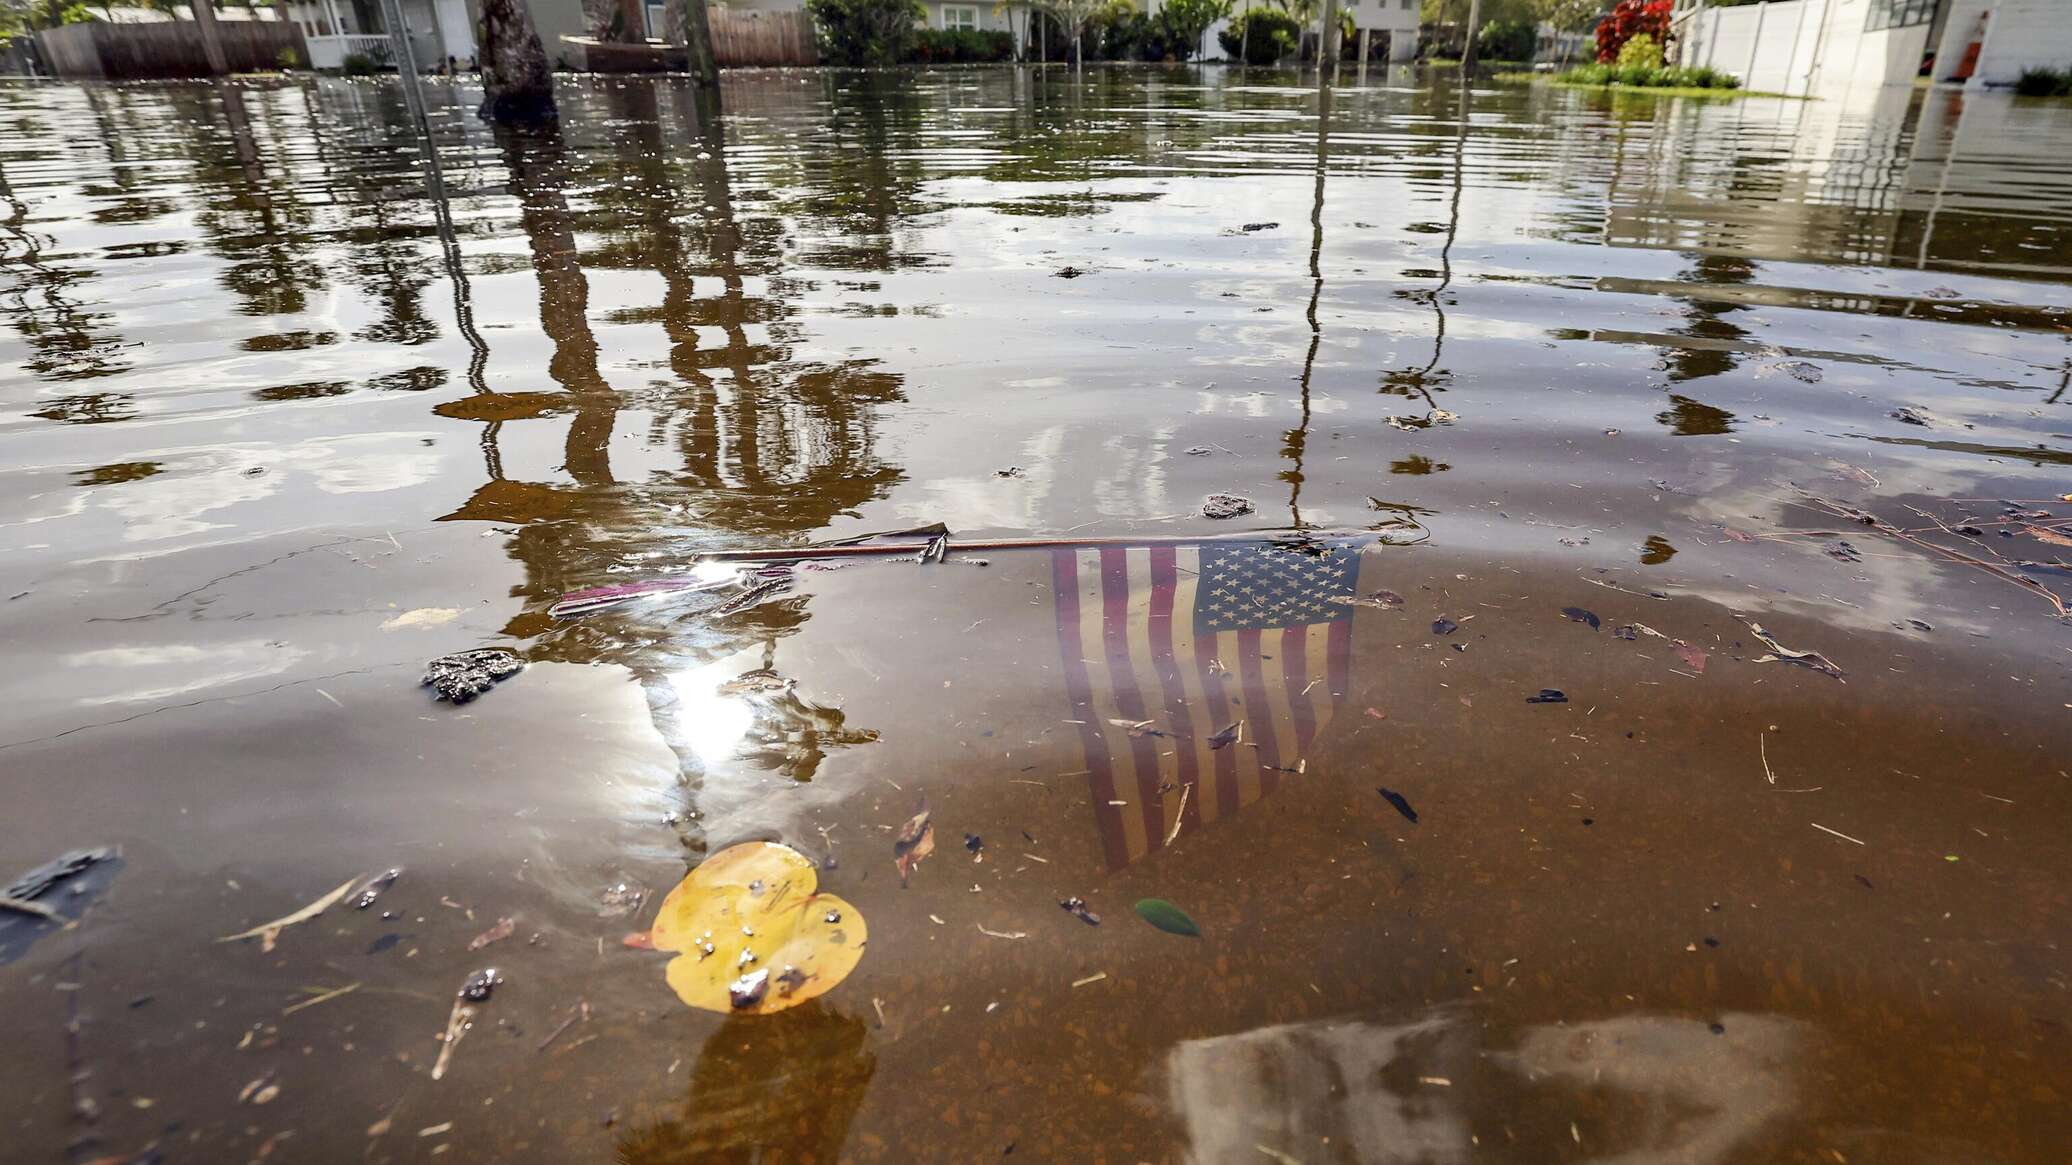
[1166,917]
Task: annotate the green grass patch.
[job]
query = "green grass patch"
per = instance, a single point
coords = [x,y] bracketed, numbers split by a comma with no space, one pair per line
[1665,81]
[2044,83]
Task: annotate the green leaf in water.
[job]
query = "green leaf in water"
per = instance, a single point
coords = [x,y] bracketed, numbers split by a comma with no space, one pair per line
[1166,917]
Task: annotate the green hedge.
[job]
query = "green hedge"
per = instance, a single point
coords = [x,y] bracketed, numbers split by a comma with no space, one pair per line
[1650,76]
[2044,83]
[1273,35]
[960,45]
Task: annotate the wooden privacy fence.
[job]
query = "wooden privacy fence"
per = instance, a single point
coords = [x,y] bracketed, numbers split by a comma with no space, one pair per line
[762,38]
[170,48]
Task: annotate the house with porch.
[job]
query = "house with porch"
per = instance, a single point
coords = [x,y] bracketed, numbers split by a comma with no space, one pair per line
[1387,27]
[440,31]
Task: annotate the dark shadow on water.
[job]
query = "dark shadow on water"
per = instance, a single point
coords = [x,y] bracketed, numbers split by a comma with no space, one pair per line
[766,1088]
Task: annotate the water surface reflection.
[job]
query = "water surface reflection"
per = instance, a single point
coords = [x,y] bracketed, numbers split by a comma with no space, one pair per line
[286,409]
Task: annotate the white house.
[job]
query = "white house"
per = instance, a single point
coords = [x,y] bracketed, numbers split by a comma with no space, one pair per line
[335,29]
[1395,20]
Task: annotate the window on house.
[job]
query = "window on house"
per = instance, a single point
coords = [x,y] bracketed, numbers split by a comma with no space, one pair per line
[1409,4]
[658,21]
[960,16]
[1898,14]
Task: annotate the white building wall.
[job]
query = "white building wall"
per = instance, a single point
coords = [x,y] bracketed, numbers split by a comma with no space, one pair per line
[2019,35]
[1803,47]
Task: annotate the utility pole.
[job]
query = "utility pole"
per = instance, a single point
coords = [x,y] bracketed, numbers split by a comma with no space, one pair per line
[1467,56]
[406,70]
[1327,44]
[211,42]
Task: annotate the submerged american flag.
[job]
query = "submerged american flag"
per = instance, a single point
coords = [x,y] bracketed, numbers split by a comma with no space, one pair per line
[1193,638]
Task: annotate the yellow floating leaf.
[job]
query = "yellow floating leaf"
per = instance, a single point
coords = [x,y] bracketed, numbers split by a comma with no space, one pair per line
[752,934]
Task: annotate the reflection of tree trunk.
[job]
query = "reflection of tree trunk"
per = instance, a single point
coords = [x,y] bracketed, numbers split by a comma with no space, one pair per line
[516,85]
[782,1087]
[539,177]
[725,246]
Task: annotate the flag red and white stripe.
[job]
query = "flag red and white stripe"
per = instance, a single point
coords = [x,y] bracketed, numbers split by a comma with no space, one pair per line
[1193,638]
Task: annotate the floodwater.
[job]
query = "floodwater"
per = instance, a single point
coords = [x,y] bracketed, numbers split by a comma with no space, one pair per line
[284,414]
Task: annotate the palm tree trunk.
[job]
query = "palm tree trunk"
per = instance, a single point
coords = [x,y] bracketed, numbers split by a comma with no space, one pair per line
[211,43]
[516,84]
[697,37]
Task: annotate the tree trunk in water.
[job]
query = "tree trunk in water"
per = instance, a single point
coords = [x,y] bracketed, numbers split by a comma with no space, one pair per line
[211,43]
[516,84]
[697,38]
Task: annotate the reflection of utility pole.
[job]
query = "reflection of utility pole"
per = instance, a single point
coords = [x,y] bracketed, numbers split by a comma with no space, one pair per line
[1298,437]
[442,211]
[1419,379]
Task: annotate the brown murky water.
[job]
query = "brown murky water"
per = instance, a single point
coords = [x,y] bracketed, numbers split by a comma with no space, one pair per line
[277,426]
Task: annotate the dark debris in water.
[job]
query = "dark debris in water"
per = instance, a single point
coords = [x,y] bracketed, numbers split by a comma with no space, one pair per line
[1222,506]
[1909,415]
[1548,696]
[464,675]
[1579,615]
[375,885]
[1076,907]
[1401,803]
[1444,626]
[1841,550]
[53,894]
[480,985]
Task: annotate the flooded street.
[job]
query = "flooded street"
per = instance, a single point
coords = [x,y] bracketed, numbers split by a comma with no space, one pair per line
[1631,723]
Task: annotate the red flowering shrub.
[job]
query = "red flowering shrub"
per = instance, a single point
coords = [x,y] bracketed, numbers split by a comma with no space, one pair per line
[1628,19]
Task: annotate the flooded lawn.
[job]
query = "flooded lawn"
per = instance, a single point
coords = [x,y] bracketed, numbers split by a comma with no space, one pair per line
[1631,723]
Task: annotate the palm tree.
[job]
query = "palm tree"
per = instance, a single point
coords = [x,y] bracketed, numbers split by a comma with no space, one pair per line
[516,85]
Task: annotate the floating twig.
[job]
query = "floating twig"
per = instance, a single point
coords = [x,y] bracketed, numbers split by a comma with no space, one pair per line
[1179,814]
[1836,832]
[576,1014]
[456,1027]
[326,997]
[1879,525]
[1783,654]
[269,932]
